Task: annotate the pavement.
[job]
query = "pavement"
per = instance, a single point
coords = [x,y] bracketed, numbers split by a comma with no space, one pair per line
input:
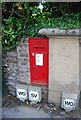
[13,108]
[0,113]
[23,112]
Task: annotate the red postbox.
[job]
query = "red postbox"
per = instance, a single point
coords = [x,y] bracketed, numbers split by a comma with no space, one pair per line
[39,60]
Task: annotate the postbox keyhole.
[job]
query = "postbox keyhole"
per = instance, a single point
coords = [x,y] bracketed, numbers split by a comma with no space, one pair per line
[33,54]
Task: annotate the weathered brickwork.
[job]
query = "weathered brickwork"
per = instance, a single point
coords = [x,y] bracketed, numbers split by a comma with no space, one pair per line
[17,70]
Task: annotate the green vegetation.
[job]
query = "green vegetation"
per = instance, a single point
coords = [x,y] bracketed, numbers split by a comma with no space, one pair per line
[64,22]
[25,19]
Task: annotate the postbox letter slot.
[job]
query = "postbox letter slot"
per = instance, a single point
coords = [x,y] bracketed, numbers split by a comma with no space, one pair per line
[39,47]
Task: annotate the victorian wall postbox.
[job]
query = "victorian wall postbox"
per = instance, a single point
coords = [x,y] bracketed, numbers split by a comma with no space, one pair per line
[39,55]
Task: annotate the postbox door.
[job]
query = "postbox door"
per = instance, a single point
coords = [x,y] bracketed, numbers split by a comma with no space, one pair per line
[38,52]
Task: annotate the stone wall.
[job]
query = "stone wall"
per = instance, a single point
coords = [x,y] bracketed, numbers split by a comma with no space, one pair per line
[17,71]
[10,69]
[0,75]
[63,67]
[23,63]
[80,66]
[64,59]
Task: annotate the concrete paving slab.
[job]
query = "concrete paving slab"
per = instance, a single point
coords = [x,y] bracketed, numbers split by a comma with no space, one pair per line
[23,112]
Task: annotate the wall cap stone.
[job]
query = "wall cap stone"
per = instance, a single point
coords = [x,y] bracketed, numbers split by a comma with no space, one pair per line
[59,32]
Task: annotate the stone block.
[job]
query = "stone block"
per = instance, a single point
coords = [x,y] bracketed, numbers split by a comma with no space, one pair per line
[44,94]
[69,101]
[34,94]
[21,92]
